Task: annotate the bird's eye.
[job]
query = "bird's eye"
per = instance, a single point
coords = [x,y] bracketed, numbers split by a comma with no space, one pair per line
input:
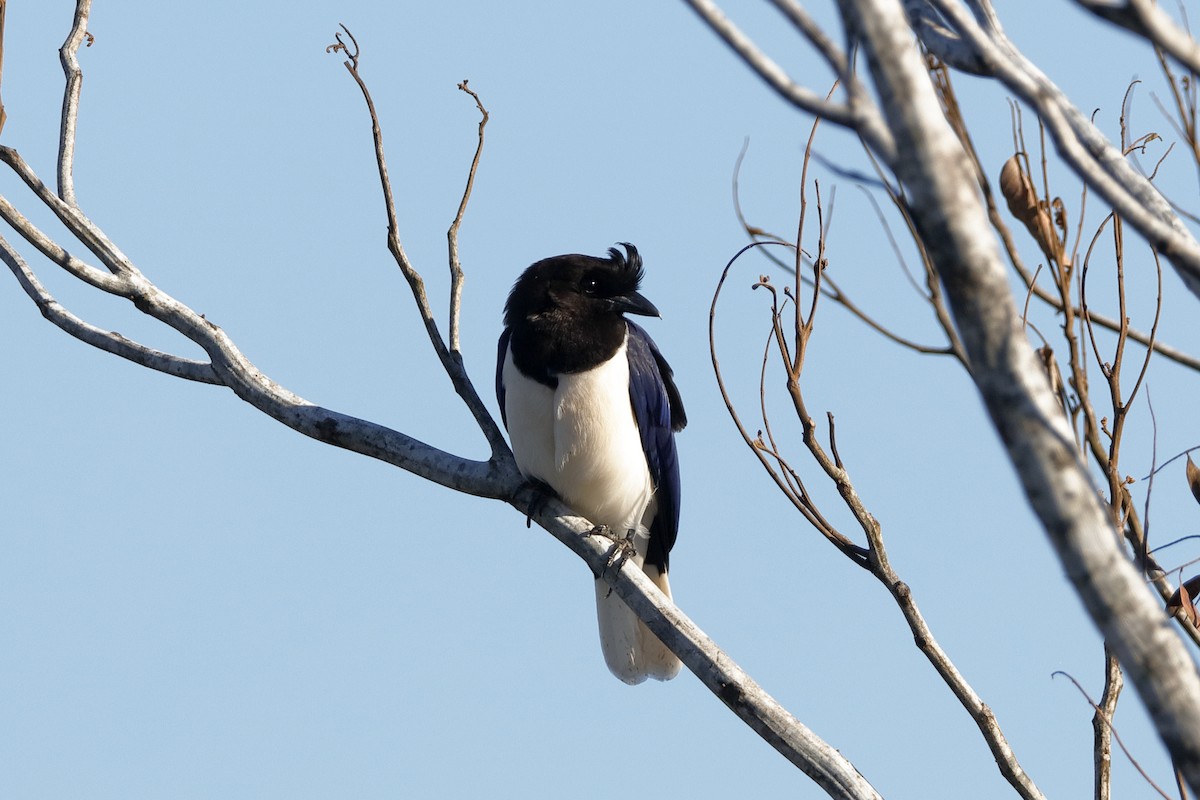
[589,286]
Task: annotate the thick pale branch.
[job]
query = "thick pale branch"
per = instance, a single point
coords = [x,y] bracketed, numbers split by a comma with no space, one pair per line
[1147,20]
[77,223]
[1101,727]
[108,341]
[52,250]
[950,216]
[229,367]
[1096,160]
[1054,300]
[937,38]
[807,26]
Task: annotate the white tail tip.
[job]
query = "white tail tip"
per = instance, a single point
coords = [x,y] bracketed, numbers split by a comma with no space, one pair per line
[631,651]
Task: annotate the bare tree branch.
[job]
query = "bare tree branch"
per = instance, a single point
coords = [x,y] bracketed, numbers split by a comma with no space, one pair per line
[1147,20]
[3,9]
[69,56]
[949,46]
[829,287]
[113,284]
[1105,718]
[859,114]
[936,178]
[949,214]
[946,91]
[1101,165]
[108,341]
[1102,729]
[456,271]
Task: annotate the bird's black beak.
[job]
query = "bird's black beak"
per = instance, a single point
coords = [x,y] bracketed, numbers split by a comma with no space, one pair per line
[634,303]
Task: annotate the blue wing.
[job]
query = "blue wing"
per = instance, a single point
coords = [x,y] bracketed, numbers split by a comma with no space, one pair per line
[502,350]
[658,409]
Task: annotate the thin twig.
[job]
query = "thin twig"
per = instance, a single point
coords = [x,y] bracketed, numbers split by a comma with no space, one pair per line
[3,8]
[456,272]
[1101,731]
[856,553]
[1108,721]
[829,288]
[69,56]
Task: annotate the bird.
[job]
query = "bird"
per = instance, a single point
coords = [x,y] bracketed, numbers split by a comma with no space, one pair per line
[591,408]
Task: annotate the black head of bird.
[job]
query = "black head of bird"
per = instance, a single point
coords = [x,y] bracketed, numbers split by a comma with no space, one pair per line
[565,312]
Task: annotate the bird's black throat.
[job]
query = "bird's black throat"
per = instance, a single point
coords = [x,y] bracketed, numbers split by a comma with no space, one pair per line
[554,345]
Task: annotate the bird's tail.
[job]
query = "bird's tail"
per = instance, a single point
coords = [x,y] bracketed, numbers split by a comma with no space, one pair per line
[631,651]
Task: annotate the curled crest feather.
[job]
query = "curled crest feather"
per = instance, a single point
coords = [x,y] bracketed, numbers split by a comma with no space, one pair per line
[629,263]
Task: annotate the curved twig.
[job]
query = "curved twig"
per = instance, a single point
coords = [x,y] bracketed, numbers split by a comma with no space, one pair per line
[1106,718]
[828,288]
[856,553]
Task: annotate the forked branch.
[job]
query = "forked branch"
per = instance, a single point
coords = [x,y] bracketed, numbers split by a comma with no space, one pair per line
[450,357]
[495,478]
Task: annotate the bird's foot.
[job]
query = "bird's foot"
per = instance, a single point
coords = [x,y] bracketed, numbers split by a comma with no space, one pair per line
[542,494]
[622,548]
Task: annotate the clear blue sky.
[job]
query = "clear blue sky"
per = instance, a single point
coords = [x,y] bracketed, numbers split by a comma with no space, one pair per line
[197,602]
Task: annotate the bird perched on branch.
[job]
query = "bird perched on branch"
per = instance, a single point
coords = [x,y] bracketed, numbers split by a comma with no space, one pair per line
[591,409]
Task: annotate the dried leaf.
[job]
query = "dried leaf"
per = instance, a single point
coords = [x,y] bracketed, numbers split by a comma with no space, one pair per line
[1193,478]
[1182,601]
[1018,189]
[1023,202]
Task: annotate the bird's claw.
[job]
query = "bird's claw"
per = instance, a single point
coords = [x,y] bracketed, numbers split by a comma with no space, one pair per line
[622,548]
[543,494]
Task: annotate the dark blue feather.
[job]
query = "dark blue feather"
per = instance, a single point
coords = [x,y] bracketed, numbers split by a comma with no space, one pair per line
[658,409]
[502,351]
